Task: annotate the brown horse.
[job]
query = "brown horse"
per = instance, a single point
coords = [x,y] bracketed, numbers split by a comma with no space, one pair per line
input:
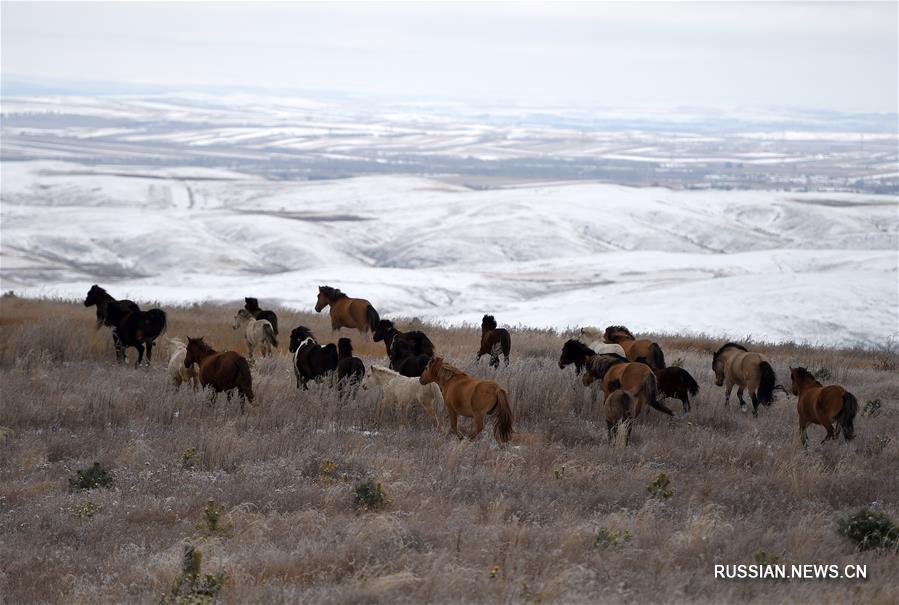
[470,397]
[675,382]
[220,371]
[635,378]
[634,347]
[494,341]
[823,405]
[347,312]
[733,365]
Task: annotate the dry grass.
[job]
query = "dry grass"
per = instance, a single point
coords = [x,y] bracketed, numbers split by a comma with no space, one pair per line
[465,522]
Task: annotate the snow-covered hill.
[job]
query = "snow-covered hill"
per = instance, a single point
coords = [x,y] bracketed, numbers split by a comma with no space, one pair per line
[820,268]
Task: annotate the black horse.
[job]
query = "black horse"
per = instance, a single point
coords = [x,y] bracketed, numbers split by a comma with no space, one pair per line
[409,352]
[252,305]
[350,369]
[310,360]
[131,327]
[675,382]
[576,352]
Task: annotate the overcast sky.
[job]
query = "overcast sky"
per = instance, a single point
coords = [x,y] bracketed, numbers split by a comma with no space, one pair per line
[816,55]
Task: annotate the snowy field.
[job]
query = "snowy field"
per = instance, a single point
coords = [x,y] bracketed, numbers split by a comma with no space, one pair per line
[817,268]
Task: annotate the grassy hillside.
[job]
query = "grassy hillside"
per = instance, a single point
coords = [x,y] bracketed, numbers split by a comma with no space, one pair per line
[557,516]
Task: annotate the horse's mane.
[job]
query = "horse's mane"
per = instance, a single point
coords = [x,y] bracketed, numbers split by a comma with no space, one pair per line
[453,370]
[612,329]
[600,364]
[331,293]
[577,344]
[297,335]
[804,373]
[488,322]
[730,345]
[618,358]
[201,344]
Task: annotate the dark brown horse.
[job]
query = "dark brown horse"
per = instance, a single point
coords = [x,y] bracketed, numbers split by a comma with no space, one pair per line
[347,312]
[471,397]
[131,327]
[734,365]
[634,347]
[494,341]
[311,360]
[220,371]
[577,353]
[409,352]
[675,382]
[350,369]
[824,405]
[102,299]
[252,305]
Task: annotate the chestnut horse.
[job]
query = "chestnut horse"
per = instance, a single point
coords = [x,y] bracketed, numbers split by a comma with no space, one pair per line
[634,347]
[494,341]
[733,365]
[221,371]
[823,405]
[470,397]
[635,378]
[347,312]
[621,409]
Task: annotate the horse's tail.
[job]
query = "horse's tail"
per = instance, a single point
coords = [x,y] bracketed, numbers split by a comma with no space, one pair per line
[269,331]
[156,322]
[244,378]
[373,318]
[505,340]
[765,392]
[650,391]
[846,415]
[690,382]
[502,423]
[656,357]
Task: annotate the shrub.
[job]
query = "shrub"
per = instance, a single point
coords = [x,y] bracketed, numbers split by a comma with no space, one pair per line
[369,494]
[763,557]
[660,487]
[610,538]
[869,529]
[823,374]
[91,478]
[872,407]
[211,516]
[85,510]
[187,458]
[677,363]
[191,586]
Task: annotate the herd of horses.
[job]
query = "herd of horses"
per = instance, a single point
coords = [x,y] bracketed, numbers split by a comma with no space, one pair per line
[630,372]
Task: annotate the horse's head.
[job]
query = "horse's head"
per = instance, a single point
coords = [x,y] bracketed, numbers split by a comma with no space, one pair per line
[298,335]
[241,318]
[718,368]
[488,323]
[576,352]
[344,348]
[798,376]
[251,304]
[322,301]
[385,326]
[432,371]
[95,296]
[195,348]
[616,334]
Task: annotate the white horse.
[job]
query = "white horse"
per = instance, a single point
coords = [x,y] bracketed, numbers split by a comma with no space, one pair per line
[593,337]
[257,332]
[399,389]
[178,373]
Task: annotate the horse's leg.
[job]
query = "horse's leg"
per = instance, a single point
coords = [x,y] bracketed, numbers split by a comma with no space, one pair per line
[140,353]
[494,361]
[478,426]
[803,433]
[243,400]
[612,428]
[249,348]
[685,399]
[149,352]
[743,406]
[728,387]
[755,403]
[830,432]
[454,422]
[214,396]
[506,359]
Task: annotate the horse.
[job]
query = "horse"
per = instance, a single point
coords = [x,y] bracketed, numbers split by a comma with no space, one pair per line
[577,353]
[470,397]
[399,389]
[252,305]
[409,352]
[257,332]
[733,365]
[310,360]
[224,371]
[675,382]
[621,409]
[823,405]
[593,336]
[350,370]
[634,348]
[494,341]
[136,329]
[347,312]
[102,299]
[635,378]
[177,370]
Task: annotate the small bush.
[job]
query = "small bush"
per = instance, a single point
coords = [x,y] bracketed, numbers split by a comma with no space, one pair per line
[192,587]
[91,478]
[494,572]
[872,407]
[763,557]
[369,494]
[660,487]
[677,363]
[187,458]
[211,518]
[869,529]
[610,538]
[85,510]
[823,374]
